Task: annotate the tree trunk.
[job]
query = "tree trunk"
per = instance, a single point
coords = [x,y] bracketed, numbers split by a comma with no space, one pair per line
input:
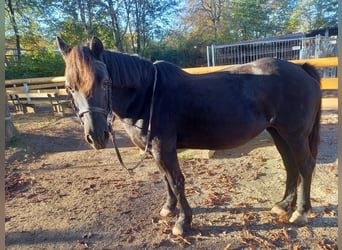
[14,26]
[115,26]
[10,129]
[81,6]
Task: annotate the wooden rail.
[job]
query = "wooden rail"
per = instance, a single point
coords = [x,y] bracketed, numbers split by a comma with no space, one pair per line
[326,83]
[58,82]
[42,80]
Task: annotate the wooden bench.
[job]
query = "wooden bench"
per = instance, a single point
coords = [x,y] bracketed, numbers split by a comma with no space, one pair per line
[23,101]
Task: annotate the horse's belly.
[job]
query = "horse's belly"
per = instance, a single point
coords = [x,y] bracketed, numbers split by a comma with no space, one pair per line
[218,137]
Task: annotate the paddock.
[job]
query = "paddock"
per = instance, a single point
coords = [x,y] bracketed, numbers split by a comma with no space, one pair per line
[62,194]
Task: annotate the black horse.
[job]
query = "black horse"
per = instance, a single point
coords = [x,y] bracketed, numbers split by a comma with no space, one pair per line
[212,111]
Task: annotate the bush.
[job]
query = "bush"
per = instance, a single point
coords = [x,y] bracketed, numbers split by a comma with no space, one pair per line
[37,64]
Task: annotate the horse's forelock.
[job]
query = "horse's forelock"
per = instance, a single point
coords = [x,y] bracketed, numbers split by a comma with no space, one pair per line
[80,69]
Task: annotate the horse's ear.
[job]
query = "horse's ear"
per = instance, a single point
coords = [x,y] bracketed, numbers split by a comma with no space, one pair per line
[63,47]
[96,47]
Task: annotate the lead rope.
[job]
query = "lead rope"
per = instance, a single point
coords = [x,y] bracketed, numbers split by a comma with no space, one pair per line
[110,121]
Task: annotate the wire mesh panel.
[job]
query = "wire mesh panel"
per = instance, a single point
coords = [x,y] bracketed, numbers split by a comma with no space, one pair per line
[289,49]
[286,49]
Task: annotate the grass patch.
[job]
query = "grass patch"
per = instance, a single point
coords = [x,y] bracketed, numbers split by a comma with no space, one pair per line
[46,123]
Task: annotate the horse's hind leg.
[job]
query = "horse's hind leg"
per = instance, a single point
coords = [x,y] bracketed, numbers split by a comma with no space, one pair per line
[169,166]
[171,200]
[306,164]
[287,204]
[299,164]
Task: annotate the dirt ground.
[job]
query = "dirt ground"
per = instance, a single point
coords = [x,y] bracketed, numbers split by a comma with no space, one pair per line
[60,194]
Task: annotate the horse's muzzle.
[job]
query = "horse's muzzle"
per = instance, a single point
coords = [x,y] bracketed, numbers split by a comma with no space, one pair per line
[97,140]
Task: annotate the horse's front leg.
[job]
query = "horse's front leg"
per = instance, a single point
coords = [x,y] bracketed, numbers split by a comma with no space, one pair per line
[171,200]
[169,166]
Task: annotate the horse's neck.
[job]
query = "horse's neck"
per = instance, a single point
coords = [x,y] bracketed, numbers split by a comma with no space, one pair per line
[132,85]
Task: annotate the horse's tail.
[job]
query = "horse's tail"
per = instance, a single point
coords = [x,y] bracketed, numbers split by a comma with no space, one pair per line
[314,136]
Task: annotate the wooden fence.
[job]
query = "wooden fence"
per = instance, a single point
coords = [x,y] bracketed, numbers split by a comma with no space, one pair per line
[28,94]
[35,84]
[56,84]
[326,83]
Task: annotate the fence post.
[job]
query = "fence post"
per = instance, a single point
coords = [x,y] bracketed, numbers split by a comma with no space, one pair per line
[213,54]
[302,49]
[208,56]
[317,45]
[27,90]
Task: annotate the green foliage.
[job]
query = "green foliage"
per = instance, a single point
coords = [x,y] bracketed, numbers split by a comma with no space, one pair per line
[157,30]
[313,14]
[184,57]
[75,34]
[37,64]
[175,48]
[239,20]
[248,20]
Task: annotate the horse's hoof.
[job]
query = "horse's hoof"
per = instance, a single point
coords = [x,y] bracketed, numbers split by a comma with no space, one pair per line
[165,212]
[177,230]
[278,210]
[180,229]
[298,219]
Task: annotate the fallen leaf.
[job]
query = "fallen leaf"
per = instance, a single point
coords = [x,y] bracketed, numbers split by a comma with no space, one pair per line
[308,231]
[296,247]
[126,212]
[129,239]
[83,243]
[326,245]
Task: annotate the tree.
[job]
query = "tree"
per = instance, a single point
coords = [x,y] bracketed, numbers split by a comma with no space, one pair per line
[278,16]
[313,14]
[23,21]
[203,20]
[141,26]
[11,14]
[222,21]
[131,24]
[118,30]
[248,19]
[86,14]
[76,19]
[147,18]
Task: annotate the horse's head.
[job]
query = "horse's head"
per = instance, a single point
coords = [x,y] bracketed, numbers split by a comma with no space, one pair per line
[88,83]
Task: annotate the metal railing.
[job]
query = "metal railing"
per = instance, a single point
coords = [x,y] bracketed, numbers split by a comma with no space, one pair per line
[286,49]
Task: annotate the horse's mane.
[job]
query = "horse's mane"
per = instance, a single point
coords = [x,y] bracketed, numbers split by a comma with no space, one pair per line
[171,70]
[128,71]
[81,68]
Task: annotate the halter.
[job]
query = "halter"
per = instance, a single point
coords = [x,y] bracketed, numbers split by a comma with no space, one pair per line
[108,113]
